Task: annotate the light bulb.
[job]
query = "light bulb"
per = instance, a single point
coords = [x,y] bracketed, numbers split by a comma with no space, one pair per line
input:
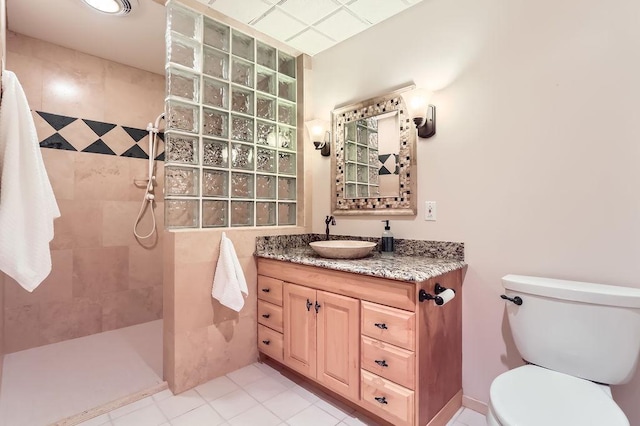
[417,101]
[106,6]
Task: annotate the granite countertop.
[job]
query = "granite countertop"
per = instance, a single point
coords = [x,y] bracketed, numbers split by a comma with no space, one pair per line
[402,267]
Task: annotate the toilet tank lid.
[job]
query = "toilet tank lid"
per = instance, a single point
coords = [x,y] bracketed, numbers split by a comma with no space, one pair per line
[599,294]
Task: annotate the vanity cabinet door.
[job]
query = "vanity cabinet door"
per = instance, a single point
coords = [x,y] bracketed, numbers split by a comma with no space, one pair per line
[338,339]
[300,329]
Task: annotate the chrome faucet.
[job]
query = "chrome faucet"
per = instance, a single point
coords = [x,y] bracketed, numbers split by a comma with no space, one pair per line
[329,220]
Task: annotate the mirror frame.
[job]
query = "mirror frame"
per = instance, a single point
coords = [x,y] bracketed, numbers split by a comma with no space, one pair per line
[405,204]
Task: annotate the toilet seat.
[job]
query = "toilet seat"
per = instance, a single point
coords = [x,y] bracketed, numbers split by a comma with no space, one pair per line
[535,396]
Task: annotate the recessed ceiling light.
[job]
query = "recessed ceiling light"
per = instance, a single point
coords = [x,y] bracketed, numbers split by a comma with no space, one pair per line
[111,7]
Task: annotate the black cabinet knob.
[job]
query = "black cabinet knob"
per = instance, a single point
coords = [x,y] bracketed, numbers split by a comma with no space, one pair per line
[266,290]
[266,315]
[381,325]
[266,342]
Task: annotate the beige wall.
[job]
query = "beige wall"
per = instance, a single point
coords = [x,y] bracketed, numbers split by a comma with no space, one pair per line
[202,338]
[102,278]
[535,164]
[2,278]
[3,49]
[3,30]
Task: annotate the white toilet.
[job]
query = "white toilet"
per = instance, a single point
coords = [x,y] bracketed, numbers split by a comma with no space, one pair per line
[578,338]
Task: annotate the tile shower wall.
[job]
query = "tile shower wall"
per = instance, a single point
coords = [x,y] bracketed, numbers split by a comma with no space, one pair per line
[231,132]
[102,278]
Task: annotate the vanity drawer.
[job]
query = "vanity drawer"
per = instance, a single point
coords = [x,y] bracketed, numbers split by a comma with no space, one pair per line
[270,343]
[270,315]
[390,325]
[270,289]
[386,399]
[388,361]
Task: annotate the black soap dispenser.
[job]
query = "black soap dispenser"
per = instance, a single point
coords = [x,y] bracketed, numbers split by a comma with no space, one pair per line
[387,241]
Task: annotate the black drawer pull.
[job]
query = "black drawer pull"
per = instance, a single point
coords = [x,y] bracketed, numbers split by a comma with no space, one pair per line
[266,342]
[381,325]
[381,362]
[381,399]
[266,290]
[309,304]
[266,315]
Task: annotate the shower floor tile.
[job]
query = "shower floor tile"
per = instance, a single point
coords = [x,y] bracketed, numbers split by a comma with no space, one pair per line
[48,383]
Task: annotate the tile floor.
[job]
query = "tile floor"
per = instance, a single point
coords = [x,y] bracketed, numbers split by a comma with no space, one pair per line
[256,395]
[49,383]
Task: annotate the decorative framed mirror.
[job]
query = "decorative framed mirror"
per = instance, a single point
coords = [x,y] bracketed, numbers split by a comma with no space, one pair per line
[374,159]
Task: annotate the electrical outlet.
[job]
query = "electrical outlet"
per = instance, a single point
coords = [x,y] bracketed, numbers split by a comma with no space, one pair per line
[430,210]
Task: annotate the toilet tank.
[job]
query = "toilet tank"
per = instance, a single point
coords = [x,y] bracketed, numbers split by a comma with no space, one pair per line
[585,330]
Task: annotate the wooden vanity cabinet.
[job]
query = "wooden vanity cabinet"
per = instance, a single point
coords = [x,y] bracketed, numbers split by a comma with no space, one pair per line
[367,339]
[270,321]
[321,337]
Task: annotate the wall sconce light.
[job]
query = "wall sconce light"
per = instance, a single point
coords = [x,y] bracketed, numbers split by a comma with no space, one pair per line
[320,135]
[422,113]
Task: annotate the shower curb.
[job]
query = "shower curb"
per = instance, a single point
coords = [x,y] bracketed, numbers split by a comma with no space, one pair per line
[110,406]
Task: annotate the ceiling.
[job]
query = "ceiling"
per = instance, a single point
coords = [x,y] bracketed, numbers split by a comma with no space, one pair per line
[136,40]
[309,26]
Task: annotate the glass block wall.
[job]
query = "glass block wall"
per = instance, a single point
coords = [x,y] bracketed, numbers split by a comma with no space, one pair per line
[230,140]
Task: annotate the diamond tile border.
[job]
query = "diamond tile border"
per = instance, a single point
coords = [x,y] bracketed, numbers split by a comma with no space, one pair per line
[130,136]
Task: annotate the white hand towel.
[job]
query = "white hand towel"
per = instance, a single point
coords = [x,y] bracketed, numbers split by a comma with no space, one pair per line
[27,203]
[229,284]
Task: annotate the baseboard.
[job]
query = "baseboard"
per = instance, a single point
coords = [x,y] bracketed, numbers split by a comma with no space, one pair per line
[475,405]
[110,406]
[448,411]
[1,363]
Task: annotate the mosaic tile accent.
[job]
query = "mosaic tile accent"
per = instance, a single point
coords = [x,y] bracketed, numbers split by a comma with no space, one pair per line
[414,260]
[78,134]
[343,195]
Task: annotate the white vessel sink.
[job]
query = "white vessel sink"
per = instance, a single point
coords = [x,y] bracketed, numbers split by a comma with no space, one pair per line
[342,249]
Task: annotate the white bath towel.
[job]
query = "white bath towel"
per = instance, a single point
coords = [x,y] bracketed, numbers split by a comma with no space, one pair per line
[27,203]
[229,285]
